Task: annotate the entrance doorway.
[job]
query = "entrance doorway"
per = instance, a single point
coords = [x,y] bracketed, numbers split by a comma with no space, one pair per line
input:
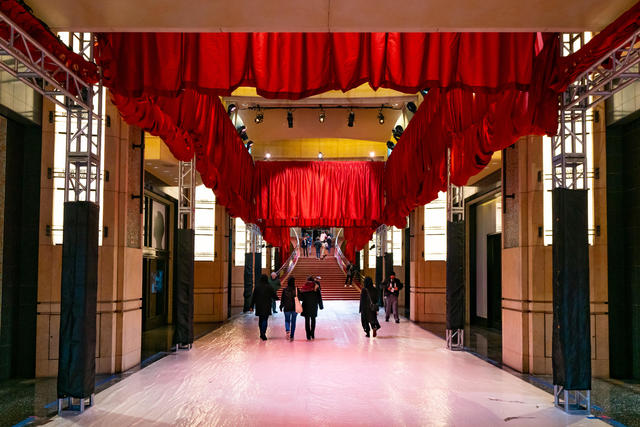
[156,262]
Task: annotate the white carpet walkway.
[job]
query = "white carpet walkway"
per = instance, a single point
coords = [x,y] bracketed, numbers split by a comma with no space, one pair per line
[405,376]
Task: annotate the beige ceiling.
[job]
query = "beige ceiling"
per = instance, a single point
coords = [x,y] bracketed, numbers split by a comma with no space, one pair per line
[328,15]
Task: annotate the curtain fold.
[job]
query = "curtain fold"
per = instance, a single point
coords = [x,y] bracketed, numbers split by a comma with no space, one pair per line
[136,64]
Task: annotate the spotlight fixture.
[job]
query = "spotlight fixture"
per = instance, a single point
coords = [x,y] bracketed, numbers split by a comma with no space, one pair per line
[424,92]
[242,132]
[231,108]
[249,144]
[397,132]
[290,119]
[351,119]
[320,155]
[390,145]
[412,107]
[259,117]
[380,117]
[321,115]
[267,156]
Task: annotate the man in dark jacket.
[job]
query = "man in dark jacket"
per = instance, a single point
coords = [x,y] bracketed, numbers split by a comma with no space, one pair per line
[274,282]
[350,271]
[391,288]
[261,299]
[318,245]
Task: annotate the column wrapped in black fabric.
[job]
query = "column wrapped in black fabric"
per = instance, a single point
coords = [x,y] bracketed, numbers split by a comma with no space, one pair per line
[455,275]
[183,292]
[571,350]
[257,267]
[248,280]
[379,277]
[78,296]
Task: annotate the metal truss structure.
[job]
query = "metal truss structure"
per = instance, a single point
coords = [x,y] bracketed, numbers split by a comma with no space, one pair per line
[613,72]
[186,194]
[29,62]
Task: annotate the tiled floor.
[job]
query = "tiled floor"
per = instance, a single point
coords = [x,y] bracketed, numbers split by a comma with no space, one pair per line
[402,377]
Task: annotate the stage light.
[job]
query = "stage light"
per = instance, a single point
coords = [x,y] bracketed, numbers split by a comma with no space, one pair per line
[397,132]
[412,107]
[231,108]
[259,117]
[290,119]
[390,145]
[351,119]
[372,154]
[267,156]
[321,115]
[380,117]
[424,92]
[242,132]
[249,144]
[320,155]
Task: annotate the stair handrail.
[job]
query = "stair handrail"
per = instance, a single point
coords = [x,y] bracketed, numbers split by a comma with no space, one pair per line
[291,262]
[341,258]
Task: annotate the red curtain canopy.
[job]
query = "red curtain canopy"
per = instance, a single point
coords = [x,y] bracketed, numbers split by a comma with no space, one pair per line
[297,65]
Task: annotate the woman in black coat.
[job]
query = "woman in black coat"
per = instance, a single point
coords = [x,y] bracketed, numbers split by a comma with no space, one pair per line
[261,299]
[288,305]
[369,307]
[311,298]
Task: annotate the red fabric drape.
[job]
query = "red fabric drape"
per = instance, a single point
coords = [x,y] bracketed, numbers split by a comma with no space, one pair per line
[137,64]
[22,17]
[355,240]
[279,237]
[192,123]
[313,194]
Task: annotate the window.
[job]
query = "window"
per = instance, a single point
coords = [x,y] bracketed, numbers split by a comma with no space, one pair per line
[372,253]
[435,229]
[240,240]
[204,224]
[397,245]
[362,259]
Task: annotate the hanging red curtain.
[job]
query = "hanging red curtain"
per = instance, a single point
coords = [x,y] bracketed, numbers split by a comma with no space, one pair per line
[192,123]
[318,193]
[137,64]
[279,237]
[356,238]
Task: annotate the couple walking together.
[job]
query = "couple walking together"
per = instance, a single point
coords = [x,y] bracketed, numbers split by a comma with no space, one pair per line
[309,295]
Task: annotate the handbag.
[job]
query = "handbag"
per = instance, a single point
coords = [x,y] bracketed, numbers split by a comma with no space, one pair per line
[372,305]
[298,305]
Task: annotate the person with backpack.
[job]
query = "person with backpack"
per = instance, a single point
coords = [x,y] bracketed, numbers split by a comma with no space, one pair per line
[369,308]
[288,305]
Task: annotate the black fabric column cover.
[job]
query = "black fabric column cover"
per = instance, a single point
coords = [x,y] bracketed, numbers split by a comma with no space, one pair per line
[571,350]
[379,277]
[183,293]
[455,275]
[258,266]
[77,345]
[248,280]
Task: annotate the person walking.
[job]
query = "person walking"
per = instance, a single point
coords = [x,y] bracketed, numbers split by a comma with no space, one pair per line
[261,299]
[303,245]
[391,288]
[369,308]
[311,298]
[350,271]
[288,305]
[318,246]
[274,282]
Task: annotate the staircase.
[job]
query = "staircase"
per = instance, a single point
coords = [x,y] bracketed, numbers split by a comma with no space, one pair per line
[332,281]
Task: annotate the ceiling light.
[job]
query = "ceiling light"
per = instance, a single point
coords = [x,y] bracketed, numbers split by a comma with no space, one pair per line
[351,119]
[259,117]
[267,156]
[231,108]
[412,107]
[321,115]
[320,155]
[290,119]
[372,154]
[390,145]
[380,117]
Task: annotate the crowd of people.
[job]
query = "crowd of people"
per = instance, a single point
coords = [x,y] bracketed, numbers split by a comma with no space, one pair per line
[308,299]
[322,244]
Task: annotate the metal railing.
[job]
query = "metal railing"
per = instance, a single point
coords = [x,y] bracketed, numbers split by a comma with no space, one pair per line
[342,262]
[288,266]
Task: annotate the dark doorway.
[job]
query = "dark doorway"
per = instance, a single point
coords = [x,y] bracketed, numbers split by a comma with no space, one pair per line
[20,249]
[494,281]
[155,264]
